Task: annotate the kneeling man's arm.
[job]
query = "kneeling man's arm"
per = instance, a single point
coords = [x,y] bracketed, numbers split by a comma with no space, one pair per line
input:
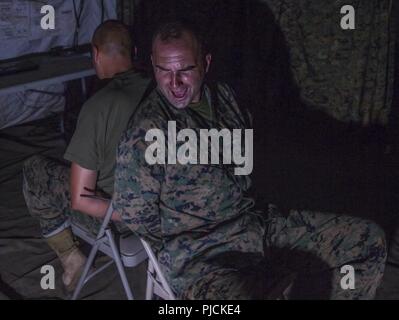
[83,180]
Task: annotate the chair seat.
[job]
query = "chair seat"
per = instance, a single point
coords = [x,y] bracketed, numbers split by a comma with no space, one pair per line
[131,250]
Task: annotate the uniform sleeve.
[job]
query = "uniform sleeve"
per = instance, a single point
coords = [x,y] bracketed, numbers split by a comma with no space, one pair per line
[243,113]
[82,148]
[137,187]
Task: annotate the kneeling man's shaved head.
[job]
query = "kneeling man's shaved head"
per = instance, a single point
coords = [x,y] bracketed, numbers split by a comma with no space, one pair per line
[112,49]
[113,38]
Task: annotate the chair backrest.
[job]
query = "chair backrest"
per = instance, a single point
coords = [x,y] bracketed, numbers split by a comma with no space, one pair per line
[128,252]
[131,251]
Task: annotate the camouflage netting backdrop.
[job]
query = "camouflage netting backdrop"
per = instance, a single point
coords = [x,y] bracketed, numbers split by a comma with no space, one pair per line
[346,73]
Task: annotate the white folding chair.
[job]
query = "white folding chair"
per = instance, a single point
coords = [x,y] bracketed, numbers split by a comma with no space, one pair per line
[129,253]
[156,281]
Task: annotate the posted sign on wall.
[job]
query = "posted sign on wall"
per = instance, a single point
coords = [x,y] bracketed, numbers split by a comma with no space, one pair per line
[21,33]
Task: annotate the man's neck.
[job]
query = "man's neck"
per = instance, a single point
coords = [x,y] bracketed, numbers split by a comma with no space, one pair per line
[118,68]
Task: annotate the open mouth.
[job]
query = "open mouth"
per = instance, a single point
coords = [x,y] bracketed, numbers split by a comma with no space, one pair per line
[179,94]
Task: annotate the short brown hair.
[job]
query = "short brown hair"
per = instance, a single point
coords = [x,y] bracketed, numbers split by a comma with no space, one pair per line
[174,29]
[113,37]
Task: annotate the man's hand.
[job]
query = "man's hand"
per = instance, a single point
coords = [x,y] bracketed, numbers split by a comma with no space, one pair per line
[83,182]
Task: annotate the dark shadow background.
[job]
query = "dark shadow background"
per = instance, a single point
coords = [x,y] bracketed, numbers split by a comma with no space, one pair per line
[303,159]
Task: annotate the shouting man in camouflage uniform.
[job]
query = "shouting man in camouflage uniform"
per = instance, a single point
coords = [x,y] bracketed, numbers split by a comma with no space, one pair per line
[208,238]
[52,189]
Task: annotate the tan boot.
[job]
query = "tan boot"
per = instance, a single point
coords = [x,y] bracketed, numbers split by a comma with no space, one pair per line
[73,265]
[72,260]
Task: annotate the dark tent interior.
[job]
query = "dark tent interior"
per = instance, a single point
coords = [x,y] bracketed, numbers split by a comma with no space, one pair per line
[323,100]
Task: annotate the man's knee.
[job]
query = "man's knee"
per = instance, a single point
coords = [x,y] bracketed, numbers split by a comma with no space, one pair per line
[32,168]
[39,176]
[30,171]
[376,241]
[368,240]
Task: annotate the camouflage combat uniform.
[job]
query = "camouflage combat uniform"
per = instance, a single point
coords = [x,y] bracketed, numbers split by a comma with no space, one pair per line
[46,182]
[208,237]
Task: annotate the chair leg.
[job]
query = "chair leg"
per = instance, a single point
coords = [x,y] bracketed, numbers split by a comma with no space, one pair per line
[155,274]
[150,282]
[87,267]
[119,265]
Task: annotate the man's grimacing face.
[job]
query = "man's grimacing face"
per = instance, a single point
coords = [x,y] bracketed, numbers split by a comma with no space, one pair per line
[179,69]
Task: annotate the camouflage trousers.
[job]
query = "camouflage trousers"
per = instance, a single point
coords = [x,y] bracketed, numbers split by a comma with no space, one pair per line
[47,196]
[304,251]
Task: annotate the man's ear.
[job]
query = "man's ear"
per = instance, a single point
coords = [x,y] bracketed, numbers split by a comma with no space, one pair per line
[208,59]
[152,61]
[96,54]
